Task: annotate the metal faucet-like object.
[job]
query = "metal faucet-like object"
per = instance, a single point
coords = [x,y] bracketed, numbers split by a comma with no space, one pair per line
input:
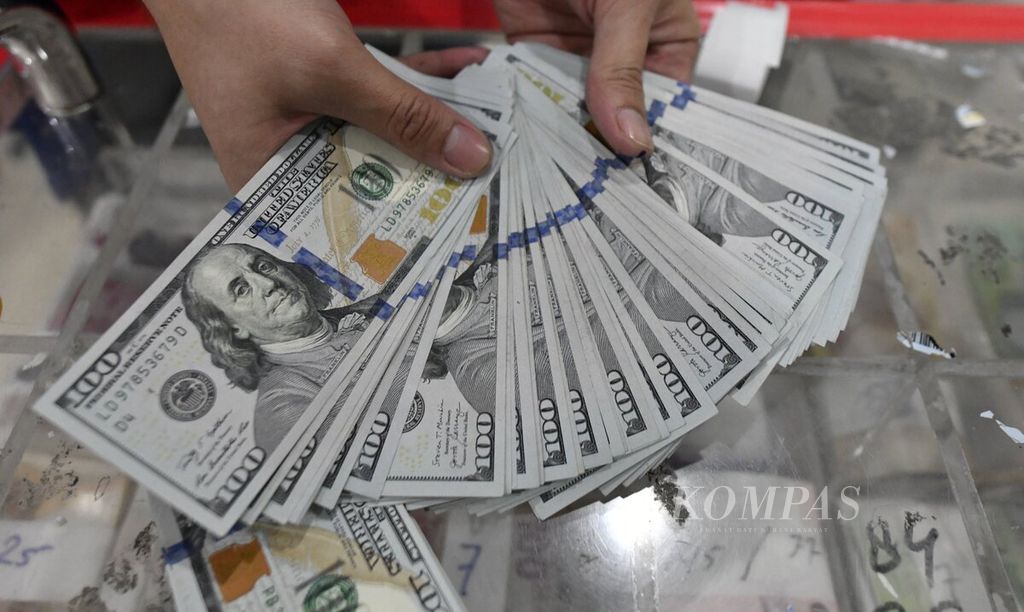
[54,65]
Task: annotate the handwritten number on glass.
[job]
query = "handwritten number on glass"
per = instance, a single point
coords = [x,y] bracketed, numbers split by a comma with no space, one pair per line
[884,544]
[9,554]
[467,567]
[927,545]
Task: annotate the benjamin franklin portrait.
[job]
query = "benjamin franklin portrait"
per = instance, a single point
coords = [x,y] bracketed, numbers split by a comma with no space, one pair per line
[267,324]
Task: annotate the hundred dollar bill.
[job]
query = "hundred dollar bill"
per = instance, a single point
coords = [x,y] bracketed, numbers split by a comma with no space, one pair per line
[711,344]
[561,456]
[289,487]
[676,389]
[703,337]
[583,399]
[841,173]
[365,395]
[828,207]
[397,374]
[371,464]
[598,390]
[537,398]
[797,265]
[523,468]
[521,338]
[295,505]
[204,386]
[758,241]
[352,558]
[529,468]
[311,471]
[301,483]
[569,72]
[369,461]
[566,93]
[569,101]
[556,369]
[454,437]
[825,215]
[633,413]
[589,163]
[585,396]
[590,429]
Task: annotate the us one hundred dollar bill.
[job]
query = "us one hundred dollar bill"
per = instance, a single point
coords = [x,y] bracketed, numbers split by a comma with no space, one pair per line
[204,386]
[355,328]
[454,437]
[352,558]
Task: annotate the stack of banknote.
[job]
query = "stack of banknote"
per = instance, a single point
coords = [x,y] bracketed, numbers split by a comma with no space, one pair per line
[356,331]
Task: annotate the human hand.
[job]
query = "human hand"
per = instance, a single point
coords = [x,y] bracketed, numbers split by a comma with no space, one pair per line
[623,37]
[257,71]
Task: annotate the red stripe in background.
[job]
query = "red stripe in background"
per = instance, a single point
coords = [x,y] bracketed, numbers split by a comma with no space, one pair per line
[807,18]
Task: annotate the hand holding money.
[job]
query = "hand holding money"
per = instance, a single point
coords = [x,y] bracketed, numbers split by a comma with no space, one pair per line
[356,331]
[256,74]
[623,39]
[251,64]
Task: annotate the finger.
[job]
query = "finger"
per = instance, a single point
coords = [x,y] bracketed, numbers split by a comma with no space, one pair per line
[580,44]
[357,88]
[615,95]
[673,43]
[446,62]
[532,17]
[675,60]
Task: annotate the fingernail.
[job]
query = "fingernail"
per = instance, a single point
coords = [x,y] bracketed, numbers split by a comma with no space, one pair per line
[635,127]
[466,150]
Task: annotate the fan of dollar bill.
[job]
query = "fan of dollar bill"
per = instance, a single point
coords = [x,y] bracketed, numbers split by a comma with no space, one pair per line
[355,331]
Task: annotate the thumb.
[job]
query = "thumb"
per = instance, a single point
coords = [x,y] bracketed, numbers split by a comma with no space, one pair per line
[615,92]
[369,95]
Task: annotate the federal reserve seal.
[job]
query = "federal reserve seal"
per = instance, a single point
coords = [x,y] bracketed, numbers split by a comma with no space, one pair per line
[187,395]
[331,593]
[372,181]
[415,413]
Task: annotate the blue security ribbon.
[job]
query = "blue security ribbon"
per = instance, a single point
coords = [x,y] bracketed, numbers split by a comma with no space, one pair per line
[564,215]
[382,310]
[328,274]
[655,112]
[176,552]
[684,96]
[268,232]
[589,191]
[274,237]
